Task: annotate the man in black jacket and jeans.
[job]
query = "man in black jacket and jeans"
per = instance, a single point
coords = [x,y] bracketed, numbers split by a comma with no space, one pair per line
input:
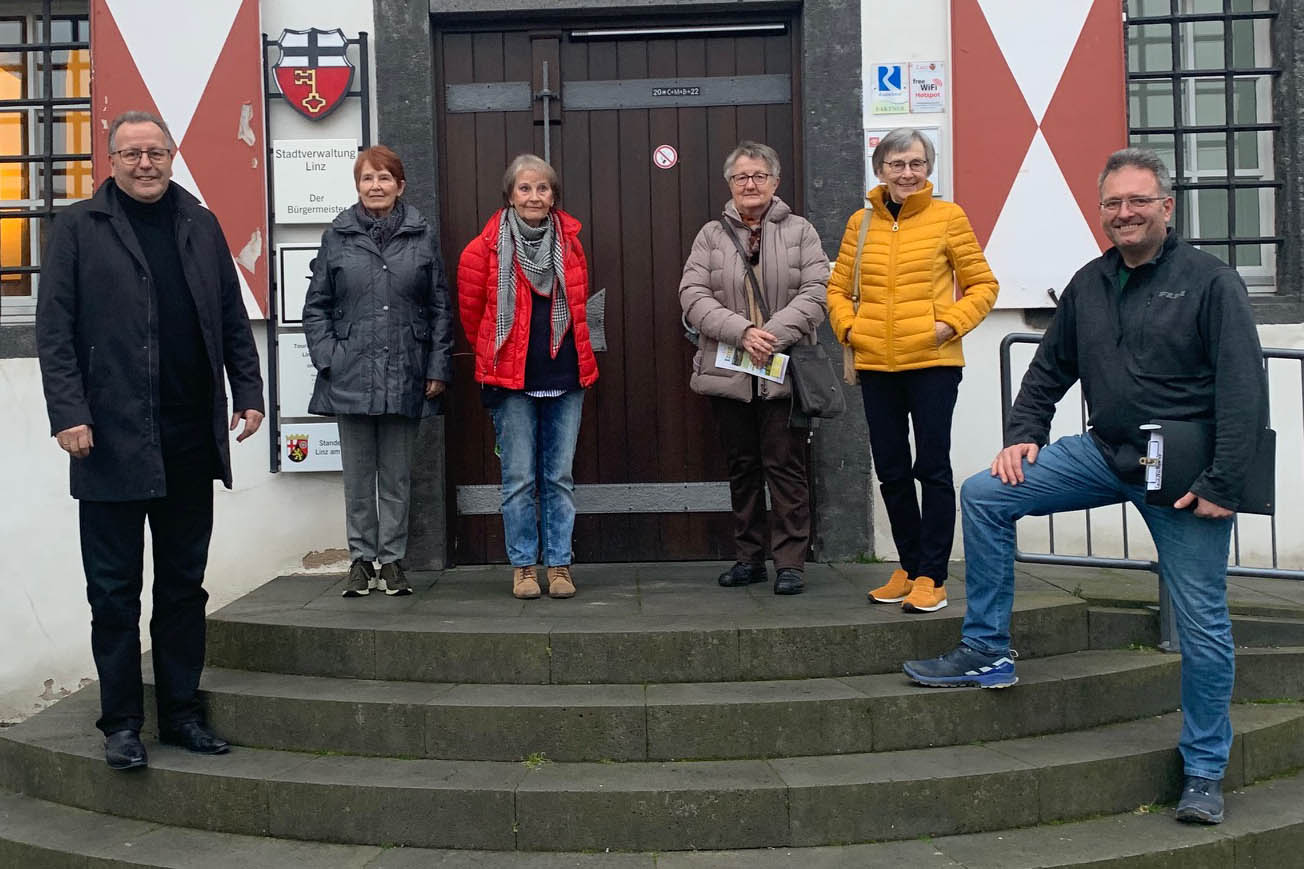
[139,317]
[1153,329]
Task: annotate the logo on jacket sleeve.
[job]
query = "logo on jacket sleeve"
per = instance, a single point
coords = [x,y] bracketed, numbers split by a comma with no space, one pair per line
[313,72]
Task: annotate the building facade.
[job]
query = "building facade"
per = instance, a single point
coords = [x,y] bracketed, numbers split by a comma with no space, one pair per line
[1027,107]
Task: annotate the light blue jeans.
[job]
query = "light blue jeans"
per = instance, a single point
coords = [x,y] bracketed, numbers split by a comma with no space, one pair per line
[1071,474]
[536,443]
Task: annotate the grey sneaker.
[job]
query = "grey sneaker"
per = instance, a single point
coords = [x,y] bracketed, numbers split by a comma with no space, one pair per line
[362,579]
[392,579]
[1201,802]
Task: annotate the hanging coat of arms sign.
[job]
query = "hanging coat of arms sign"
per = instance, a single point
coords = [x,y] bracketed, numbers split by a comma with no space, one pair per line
[314,72]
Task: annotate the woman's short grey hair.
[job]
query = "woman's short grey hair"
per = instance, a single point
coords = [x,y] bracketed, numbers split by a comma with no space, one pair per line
[525,162]
[1140,158]
[138,117]
[901,139]
[756,151]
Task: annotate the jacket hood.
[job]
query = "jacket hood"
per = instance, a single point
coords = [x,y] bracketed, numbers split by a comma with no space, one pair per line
[778,211]
[915,202]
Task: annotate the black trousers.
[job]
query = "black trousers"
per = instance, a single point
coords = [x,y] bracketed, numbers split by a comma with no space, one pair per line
[763,450]
[923,526]
[113,552]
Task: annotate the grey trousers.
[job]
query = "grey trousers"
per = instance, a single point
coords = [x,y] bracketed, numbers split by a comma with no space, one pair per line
[376,452]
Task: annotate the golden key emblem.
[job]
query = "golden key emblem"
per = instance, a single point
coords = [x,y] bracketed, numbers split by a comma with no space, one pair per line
[313,102]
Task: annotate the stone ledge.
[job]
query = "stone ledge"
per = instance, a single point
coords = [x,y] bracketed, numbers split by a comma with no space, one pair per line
[689,721]
[1264,828]
[668,627]
[642,806]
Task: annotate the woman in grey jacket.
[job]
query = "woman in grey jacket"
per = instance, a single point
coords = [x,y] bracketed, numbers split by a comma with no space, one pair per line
[762,447]
[379,328]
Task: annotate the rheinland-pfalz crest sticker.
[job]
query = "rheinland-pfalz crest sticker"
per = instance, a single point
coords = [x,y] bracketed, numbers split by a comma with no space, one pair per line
[314,71]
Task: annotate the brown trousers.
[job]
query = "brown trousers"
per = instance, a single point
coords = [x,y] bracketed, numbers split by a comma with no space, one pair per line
[763,450]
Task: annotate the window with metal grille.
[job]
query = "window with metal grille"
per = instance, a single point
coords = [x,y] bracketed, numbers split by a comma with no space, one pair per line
[45,137]
[1200,80]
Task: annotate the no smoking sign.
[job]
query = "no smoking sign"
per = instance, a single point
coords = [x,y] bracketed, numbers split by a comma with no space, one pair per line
[665,157]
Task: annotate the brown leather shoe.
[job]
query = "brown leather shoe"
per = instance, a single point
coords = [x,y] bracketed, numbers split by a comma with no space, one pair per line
[524,583]
[560,583]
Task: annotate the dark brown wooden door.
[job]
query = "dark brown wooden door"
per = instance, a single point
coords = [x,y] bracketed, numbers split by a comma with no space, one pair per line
[649,470]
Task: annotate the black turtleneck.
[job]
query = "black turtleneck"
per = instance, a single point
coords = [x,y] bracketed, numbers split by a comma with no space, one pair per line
[893,206]
[185,380]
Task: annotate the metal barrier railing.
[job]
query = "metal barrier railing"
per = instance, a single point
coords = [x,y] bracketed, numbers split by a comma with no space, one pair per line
[1168,635]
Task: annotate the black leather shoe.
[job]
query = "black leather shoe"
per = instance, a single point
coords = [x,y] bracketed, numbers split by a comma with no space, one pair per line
[789,581]
[193,736]
[743,574]
[124,750]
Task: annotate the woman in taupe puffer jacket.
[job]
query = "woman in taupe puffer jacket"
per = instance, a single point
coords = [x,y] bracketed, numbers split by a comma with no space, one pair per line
[762,447]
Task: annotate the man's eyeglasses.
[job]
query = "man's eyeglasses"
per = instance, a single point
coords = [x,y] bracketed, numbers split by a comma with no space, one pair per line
[900,165]
[1136,203]
[741,180]
[131,156]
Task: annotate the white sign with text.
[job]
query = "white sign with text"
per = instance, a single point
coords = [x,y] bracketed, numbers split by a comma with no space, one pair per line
[313,446]
[313,178]
[927,86]
[295,374]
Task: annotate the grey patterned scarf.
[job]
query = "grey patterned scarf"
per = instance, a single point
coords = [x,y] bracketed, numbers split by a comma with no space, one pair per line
[538,252]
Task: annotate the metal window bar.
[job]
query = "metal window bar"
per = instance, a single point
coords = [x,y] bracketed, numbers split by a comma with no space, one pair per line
[47,103]
[1229,73]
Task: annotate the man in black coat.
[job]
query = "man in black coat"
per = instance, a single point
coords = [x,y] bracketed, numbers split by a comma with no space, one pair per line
[138,317]
[1152,329]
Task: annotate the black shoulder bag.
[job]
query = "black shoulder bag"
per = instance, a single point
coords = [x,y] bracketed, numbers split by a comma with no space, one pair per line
[816,390]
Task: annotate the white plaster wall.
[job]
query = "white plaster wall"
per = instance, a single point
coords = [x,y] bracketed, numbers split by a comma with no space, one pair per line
[893,32]
[262,527]
[900,32]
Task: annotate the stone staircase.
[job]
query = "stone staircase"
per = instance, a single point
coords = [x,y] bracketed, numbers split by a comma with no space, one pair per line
[658,720]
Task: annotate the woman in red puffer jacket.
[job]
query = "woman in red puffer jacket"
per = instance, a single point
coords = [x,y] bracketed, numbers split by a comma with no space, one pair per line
[522,284]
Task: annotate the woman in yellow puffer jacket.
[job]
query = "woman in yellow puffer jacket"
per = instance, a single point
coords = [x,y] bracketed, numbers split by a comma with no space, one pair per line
[905,330]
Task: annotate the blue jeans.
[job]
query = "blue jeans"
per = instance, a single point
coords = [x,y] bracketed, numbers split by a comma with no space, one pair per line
[536,443]
[1071,474]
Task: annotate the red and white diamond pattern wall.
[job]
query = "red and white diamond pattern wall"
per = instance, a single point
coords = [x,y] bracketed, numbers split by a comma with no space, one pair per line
[199,67]
[1039,102]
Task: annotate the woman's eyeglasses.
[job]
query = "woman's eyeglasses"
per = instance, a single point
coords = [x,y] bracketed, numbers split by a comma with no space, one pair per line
[741,180]
[900,165]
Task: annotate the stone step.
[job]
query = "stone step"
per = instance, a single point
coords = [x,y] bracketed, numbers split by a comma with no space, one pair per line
[1118,627]
[801,801]
[462,630]
[1264,828]
[706,720]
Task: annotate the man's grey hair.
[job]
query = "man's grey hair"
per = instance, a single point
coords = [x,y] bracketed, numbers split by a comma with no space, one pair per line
[756,151]
[1140,158]
[900,140]
[135,116]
